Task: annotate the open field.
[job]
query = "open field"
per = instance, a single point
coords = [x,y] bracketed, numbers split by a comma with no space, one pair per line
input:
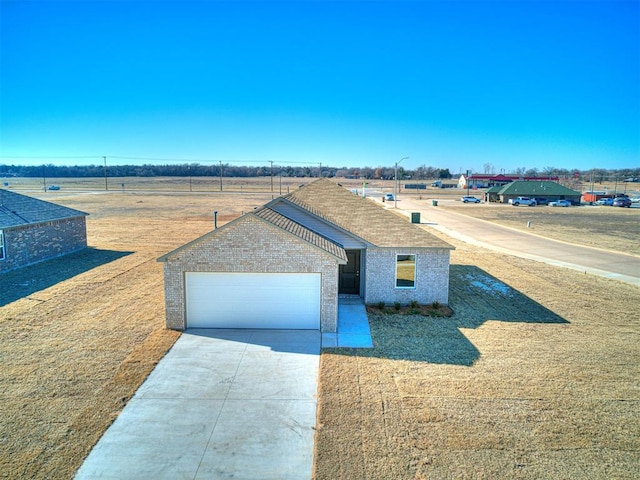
[535,376]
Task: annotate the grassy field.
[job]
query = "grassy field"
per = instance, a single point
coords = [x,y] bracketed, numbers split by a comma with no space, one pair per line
[523,381]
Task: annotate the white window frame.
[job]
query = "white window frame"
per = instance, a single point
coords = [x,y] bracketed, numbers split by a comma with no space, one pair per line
[415,271]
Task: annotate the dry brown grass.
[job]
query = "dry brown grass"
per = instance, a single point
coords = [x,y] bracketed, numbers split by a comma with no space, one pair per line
[79,334]
[535,376]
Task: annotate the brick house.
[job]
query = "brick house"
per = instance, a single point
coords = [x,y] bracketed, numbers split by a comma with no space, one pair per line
[285,264]
[33,230]
[543,192]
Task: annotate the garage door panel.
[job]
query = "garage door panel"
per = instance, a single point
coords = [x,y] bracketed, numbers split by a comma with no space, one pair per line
[249,300]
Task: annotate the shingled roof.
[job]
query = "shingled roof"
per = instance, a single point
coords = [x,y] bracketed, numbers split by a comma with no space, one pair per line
[17,209]
[298,230]
[361,216]
[531,189]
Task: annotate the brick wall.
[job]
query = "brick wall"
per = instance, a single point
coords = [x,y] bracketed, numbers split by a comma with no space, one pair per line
[250,245]
[34,243]
[432,276]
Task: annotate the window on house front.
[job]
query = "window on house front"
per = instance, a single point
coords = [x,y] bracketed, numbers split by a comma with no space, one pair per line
[1,245]
[406,271]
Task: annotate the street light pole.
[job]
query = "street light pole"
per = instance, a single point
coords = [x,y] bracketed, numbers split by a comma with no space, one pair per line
[395,186]
[106,184]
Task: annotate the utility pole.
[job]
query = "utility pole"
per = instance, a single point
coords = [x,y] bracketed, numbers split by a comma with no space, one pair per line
[106,185]
[271,161]
[44,177]
[220,175]
[320,170]
[395,189]
[468,183]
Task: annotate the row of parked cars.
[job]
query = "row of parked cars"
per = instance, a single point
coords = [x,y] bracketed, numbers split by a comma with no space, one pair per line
[620,201]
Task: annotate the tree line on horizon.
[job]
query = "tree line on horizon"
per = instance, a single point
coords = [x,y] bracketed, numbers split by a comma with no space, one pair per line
[423,172]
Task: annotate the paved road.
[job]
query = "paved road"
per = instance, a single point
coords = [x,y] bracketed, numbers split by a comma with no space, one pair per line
[507,240]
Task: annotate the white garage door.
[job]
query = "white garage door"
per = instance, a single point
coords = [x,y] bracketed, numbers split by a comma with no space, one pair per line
[253,300]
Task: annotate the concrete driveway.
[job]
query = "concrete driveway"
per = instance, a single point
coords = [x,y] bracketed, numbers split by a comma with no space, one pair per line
[220,404]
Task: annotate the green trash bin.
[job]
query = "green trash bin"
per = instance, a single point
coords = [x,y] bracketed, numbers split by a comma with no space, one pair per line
[415,217]
[434,203]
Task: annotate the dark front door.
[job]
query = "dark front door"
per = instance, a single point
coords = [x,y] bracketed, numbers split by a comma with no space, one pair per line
[349,274]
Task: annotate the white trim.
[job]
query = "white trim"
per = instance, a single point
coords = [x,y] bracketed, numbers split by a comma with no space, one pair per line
[415,271]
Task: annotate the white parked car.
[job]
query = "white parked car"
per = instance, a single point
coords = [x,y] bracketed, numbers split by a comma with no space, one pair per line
[469,199]
[389,197]
[531,202]
[560,203]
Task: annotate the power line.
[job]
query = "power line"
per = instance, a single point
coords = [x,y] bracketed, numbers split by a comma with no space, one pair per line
[154,159]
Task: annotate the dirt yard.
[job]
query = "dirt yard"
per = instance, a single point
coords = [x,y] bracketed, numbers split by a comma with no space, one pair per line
[535,376]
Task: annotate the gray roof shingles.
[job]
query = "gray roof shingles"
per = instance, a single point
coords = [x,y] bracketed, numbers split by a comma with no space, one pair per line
[304,233]
[17,210]
[361,216]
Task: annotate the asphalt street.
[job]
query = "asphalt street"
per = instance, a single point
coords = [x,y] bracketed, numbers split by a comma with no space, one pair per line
[527,245]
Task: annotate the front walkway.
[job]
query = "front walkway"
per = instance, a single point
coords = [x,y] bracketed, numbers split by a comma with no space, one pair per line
[353,325]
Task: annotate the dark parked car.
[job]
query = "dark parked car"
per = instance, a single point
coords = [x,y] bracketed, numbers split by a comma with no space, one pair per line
[622,202]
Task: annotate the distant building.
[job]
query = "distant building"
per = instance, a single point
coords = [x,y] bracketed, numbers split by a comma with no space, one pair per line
[487,181]
[33,230]
[543,192]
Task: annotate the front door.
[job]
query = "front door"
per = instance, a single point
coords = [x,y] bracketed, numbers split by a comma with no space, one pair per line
[349,274]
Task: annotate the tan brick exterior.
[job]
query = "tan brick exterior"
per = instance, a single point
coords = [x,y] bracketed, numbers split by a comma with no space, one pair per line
[432,276]
[249,245]
[37,242]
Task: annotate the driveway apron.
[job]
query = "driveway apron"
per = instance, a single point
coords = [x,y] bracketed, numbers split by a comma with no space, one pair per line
[220,404]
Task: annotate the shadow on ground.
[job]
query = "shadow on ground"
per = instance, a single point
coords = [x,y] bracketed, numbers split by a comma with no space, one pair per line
[25,281]
[475,297]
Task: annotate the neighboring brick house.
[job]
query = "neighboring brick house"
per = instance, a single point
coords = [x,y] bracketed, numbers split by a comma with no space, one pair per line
[285,264]
[33,230]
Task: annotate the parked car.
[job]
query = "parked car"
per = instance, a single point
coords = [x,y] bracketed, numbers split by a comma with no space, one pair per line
[605,201]
[469,199]
[560,203]
[54,187]
[541,200]
[389,196]
[635,199]
[622,202]
[531,202]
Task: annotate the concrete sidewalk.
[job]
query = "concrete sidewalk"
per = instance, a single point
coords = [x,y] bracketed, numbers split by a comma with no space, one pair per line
[353,325]
[220,404]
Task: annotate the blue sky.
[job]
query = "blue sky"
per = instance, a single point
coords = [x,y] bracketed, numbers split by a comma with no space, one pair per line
[449,84]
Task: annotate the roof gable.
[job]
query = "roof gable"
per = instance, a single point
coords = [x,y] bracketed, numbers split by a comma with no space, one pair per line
[361,216]
[17,210]
[274,220]
[540,189]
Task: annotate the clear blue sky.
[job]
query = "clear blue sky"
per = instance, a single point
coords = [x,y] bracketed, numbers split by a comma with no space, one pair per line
[449,84]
